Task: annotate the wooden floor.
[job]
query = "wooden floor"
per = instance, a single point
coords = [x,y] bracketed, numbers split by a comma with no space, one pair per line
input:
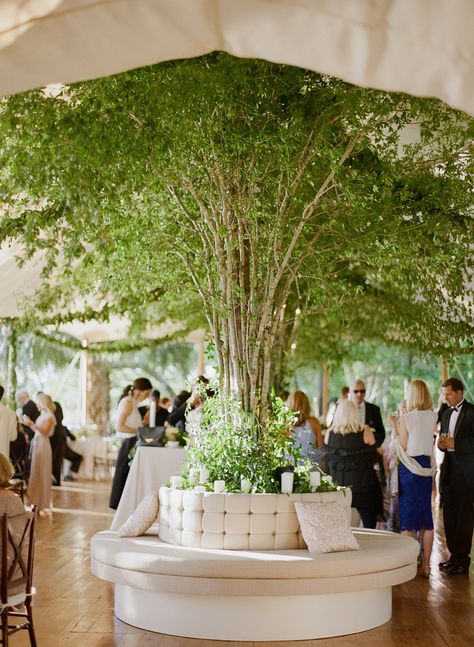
[73,608]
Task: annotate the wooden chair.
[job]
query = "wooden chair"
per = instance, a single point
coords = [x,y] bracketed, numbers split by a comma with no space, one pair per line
[18,543]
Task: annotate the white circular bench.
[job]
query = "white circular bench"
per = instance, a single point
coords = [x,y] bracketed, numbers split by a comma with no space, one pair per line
[253,595]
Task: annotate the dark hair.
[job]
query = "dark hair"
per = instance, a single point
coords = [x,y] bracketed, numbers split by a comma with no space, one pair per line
[454,383]
[202,379]
[210,393]
[2,391]
[140,384]
[155,394]
[345,390]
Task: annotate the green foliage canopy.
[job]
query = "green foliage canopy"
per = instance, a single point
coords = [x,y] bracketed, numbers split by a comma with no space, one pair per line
[229,188]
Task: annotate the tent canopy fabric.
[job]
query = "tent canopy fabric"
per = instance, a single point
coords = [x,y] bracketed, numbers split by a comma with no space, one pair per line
[16,282]
[423,47]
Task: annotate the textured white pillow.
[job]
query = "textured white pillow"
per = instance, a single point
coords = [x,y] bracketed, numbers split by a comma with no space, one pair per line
[142,519]
[325,527]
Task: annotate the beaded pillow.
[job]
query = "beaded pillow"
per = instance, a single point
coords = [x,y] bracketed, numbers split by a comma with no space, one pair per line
[325,527]
[142,519]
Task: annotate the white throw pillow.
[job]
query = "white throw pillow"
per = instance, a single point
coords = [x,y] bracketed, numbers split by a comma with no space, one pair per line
[325,527]
[142,519]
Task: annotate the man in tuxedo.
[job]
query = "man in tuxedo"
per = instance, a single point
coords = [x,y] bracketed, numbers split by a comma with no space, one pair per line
[456,440]
[369,414]
[28,408]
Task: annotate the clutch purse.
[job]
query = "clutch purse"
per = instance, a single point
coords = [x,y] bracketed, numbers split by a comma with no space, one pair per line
[151,436]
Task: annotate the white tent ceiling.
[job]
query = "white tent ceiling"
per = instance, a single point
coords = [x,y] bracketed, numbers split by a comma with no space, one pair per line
[16,282]
[19,283]
[423,47]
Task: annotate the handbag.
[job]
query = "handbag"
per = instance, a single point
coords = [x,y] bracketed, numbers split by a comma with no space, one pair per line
[151,436]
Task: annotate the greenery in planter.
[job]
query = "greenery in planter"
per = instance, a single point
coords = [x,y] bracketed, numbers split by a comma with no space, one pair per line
[231,445]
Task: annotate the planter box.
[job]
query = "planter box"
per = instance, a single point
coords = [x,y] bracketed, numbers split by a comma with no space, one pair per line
[235,521]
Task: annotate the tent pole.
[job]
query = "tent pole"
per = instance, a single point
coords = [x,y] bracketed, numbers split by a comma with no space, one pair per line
[325,402]
[11,366]
[201,363]
[84,385]
[444,370]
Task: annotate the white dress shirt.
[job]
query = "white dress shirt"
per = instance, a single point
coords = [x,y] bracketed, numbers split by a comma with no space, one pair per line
[453,420]
[361,411]
[8,430]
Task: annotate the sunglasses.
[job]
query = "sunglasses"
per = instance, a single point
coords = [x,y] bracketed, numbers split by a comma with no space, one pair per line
[358,391]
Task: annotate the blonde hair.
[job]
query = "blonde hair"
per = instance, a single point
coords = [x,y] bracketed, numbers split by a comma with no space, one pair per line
[6,470]
[299,403]
[418,396]
[346,418]
[47,402]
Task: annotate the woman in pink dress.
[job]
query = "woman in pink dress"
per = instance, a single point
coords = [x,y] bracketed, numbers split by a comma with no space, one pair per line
[39,485]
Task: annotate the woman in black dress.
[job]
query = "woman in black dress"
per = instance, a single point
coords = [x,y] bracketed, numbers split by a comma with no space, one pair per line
[349,455]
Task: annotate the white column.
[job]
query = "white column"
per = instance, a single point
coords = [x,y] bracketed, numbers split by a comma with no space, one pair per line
[84,384]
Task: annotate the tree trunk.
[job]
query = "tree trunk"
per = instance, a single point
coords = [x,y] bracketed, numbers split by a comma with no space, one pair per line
[98,387]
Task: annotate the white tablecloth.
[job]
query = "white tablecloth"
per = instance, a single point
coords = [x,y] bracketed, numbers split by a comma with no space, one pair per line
[150,469]
[90,448]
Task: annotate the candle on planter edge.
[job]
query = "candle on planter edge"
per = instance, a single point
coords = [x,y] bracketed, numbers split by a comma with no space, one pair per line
[245,485]
[203,475]
[287,482]
[315,480]
[199,488]
[152,421]
[176,482]
[193,475]
[219,486]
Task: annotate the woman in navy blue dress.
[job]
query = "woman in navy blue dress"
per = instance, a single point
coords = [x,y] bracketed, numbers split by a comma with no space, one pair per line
[416,468]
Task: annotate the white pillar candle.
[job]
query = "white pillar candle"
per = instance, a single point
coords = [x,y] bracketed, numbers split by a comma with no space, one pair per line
[177,482]
[219,486]
[152,421]
[203,475]
[315,480]
[193,475]
[245,485]
[287,482]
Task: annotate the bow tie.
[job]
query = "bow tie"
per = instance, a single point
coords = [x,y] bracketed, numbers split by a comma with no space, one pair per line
[456,408]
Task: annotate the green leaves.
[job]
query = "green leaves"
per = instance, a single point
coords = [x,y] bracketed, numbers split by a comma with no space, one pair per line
[184,190]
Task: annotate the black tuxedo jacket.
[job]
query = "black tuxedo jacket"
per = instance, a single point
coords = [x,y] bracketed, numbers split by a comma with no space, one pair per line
[59,437]
[463,441]
[373,418]
[31,410]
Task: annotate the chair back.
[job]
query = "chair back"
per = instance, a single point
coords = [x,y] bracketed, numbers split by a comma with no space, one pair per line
[17,554]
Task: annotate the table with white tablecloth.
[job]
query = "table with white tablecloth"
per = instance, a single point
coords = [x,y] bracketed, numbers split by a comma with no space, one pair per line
[150,469]
[91,448]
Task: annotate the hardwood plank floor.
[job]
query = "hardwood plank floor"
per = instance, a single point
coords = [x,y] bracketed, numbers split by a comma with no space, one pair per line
[74,609]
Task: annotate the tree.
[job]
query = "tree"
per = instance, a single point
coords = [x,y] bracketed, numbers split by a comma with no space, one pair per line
[246,184]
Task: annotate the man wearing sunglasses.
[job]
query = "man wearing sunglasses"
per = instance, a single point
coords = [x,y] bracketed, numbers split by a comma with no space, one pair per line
[369,414]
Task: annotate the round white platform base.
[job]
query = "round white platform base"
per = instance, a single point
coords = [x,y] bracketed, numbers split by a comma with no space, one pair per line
[269,618]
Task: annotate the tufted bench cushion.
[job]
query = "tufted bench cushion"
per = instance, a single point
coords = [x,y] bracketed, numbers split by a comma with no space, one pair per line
[236,521]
